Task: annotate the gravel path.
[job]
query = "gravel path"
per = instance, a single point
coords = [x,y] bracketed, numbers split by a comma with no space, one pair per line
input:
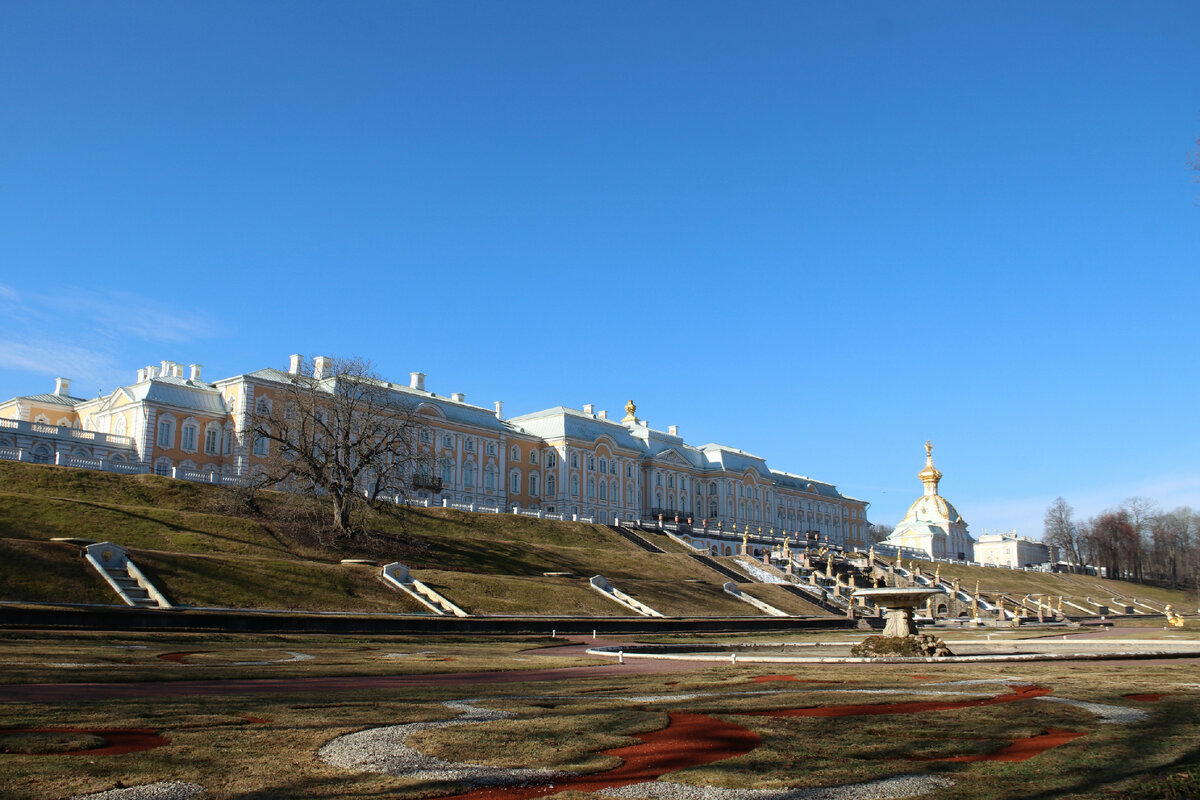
[885,789]
[163,790]
[383,750]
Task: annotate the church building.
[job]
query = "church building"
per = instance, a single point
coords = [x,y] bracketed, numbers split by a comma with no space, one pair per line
[932,524]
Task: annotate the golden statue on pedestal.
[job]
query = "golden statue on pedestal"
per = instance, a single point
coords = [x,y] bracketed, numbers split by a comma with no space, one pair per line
[630,412]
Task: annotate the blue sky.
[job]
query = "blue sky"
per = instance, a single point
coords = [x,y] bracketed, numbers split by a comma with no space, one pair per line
[823,232]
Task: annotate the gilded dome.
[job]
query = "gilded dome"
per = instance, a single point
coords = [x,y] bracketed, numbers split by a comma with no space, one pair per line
[932,508]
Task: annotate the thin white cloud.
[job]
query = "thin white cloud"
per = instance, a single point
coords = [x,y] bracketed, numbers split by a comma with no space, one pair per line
[89,336]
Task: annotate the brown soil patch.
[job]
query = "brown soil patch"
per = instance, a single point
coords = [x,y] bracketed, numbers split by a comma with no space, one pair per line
[689,740]
[1020,749]
[119,740]
[1145,698]
[918,707]
[176,658]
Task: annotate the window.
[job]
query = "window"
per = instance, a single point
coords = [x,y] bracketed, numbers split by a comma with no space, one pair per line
[628,495]
[683,483]
[603,465]
[491,448]
[533,456]
[489,478]
[603,491]
[211,441]
[426,436]
[260,445]
[670,481]
[551,460]
[575,460]
[514,482]
[228,442]
[574,486]
[166,433]
[163,466]
[533,484]
[628,471]
[592,488]
[447,440]
[447,474]
[119,428]
[469,446]
[591,463]
[188,437]
[612,491]
[551,485]
[613,468]
[263,407]
[515,453]
[657,479]
[469,475]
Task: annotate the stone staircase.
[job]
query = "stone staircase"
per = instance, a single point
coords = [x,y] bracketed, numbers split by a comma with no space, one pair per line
[636,538]
[134,588]
[398,576]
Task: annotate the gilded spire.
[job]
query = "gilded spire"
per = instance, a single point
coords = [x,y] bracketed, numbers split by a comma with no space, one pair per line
[930,475]
[630,412]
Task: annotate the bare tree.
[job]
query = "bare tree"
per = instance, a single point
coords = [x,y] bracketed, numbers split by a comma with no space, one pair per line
[878,532]
[1062,532]
[1139,511]
[342,434]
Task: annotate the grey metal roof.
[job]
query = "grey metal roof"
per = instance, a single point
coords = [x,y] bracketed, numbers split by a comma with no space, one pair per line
[181,393]
[562,422]
[54,399]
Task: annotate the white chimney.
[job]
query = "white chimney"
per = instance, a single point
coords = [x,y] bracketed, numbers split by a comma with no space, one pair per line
[603,415]
[322,366]
[176,370]
[499,409]
[141,375]
[458,397]
[673,430]
[62,387]
[195,371]
[151,372]
[416,380]
[165,369]
[295,360]
[589,408]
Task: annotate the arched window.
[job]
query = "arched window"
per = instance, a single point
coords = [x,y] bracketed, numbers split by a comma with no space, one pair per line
[628,495]
[489,477]
[533,459]
[612,491]
[514,482]
[42,454]
[469,445]
[591,463]
[574,460]
[574,486]
[551,485]
[592,488]
[603,465]
[712,508]
[515,453]
[657,479]
[628,471]
[119,428]
[447,474]
[227,447]
[603,491]
[551,460]
[212,438]
[166,431]
[469,475]
[262,407]
[533,484]
[162,466]
[189,434]
[670,481]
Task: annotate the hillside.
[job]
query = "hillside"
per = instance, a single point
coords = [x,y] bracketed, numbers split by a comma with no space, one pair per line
[206,546]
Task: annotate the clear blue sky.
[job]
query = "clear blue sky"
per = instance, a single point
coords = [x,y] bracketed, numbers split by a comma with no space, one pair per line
[823,232]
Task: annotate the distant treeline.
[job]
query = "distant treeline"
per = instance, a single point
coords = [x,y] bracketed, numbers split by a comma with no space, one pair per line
[1135,541]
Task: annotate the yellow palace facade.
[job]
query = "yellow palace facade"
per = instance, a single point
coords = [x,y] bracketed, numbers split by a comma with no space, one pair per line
[171,421]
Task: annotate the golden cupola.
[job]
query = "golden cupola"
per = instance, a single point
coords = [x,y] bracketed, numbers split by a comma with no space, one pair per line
[931,507]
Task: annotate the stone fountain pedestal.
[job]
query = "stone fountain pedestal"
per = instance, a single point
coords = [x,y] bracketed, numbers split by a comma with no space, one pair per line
[900,605]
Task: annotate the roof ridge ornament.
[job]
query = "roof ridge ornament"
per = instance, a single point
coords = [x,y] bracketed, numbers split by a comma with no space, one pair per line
[630,412]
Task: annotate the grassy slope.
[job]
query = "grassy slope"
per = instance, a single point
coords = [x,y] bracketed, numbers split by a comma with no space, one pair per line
[187,540]
[203,553]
